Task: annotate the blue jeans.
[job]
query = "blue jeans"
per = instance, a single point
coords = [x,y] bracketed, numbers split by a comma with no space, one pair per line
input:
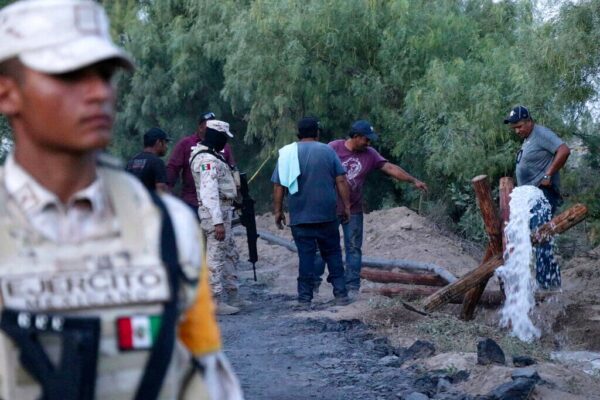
[326,237]
[547,271]
[353,239]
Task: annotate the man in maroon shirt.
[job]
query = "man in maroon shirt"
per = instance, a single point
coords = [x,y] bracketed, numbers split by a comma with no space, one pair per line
[179,163]
[359,159]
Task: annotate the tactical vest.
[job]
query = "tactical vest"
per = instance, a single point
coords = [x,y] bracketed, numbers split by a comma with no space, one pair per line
[111,289]
[225,173]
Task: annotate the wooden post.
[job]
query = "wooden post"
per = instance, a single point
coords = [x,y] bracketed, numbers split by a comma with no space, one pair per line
[376,275]
[558,224]
[506,187]
[493,229]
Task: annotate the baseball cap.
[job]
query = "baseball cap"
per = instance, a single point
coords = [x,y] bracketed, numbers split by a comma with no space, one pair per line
[517,114]
[58,36]
[364,128]
[154,134]
[219,126]
[205,116]
[309,125]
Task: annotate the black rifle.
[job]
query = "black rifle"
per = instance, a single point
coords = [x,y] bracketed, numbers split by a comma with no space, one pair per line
[248,220]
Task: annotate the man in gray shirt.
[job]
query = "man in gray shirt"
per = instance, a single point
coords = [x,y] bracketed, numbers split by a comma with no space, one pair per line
[539,161]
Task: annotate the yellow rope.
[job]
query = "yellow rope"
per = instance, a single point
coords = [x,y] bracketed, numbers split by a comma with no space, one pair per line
[259,168]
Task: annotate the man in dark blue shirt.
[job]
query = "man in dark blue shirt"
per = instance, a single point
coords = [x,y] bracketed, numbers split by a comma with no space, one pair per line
[147,165]
[311,172]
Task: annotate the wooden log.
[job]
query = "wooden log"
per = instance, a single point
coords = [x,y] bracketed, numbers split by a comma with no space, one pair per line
[506,187]
[469,281]
[493,228]
[558,224]
[408,265]
[489,212]
[488,298]
[376,275]
[409,293]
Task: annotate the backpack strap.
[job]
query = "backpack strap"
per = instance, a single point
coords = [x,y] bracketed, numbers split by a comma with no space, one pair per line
[160,355]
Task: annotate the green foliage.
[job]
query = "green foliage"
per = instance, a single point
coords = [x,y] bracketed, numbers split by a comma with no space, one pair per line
[435,78]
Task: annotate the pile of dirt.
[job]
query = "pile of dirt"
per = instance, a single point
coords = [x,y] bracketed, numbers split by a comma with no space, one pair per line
[569,319]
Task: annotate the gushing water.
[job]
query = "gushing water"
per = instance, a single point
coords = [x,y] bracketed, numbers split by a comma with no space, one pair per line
[519,284]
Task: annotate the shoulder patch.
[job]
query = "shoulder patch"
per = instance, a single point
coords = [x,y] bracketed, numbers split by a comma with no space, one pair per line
[206,167]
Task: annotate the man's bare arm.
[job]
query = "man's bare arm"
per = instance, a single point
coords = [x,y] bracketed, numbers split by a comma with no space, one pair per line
[398,173]
[559,160]
[278,193]
[343,189]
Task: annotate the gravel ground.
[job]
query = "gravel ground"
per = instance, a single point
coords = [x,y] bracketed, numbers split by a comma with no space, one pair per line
[283,354]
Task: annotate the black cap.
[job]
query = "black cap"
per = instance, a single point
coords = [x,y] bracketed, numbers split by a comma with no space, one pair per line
[205,116]
[154,134]
[517,114]
[309,125]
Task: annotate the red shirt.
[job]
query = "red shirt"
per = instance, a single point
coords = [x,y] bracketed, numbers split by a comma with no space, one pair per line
[358,164]
[179,165]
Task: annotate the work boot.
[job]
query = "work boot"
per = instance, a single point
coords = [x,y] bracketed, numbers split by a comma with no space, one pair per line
[233,299]
[342,301]
[224,308]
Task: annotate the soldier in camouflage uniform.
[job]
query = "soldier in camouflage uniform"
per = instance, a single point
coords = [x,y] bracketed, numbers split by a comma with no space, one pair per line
[216,190]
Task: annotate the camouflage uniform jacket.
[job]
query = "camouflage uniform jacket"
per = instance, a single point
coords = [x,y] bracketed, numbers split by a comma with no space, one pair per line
[215,185]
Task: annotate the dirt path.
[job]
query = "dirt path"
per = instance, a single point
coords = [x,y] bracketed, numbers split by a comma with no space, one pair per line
[282,354]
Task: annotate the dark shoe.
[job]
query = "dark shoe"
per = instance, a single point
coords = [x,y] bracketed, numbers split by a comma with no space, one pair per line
[342,301]
[303,306]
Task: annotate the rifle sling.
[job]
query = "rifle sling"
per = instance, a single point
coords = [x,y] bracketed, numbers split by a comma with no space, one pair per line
[214,153]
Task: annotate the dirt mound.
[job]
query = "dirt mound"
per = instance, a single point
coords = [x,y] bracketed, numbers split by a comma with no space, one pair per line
[579,322]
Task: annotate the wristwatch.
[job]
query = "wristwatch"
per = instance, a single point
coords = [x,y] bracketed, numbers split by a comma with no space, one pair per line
[546,177]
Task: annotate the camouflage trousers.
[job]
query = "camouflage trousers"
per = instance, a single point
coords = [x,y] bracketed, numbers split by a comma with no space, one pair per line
[221,256]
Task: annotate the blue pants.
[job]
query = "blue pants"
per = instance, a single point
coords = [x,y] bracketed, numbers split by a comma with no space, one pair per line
[353,239]
[326,237]
[547,271]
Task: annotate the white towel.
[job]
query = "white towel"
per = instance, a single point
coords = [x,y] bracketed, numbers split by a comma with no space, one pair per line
[288,166]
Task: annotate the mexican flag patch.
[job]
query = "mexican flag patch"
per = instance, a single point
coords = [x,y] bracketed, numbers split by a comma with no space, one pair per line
[138,332]
[205,167]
